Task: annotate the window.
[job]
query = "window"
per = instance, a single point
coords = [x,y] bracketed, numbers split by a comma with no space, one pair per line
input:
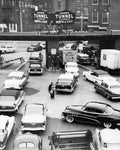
[59,4]
[85,11]
[105,2]
[105,17]
[95,2]
[95,16]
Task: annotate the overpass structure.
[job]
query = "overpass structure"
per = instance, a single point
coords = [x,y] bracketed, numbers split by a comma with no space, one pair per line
[109,40]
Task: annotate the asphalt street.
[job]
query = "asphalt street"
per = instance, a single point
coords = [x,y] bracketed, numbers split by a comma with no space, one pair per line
[37,91]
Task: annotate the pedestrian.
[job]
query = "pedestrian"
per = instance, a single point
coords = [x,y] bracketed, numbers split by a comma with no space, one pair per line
[51,90]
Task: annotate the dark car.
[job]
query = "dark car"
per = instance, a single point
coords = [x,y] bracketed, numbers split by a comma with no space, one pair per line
[34,47]
[93,113]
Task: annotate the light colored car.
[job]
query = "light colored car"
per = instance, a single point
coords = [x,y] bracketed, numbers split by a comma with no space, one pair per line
[16,80]
[73,70]
[10,100]
[71,64]
[108,139]
[7,49]
[97,76]
[34,117]
[27,141]
[6,127]
[66,83]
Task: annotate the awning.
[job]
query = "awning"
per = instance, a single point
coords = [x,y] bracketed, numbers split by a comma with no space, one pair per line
[3,26]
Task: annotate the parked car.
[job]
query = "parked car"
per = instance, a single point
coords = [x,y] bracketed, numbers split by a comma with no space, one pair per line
[73,70]
[6,127]
[35,68]
[97,76]
[34,117]
[10,100]
[27,141]
[7,49]
[92,113]
[16,80]
[83,58]
[108,139]
[34,47]
[66,83]
[109,89]
[71,64]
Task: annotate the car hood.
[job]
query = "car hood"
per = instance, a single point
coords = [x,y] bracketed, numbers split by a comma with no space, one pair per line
[33,119]
[6,101]
[116,113]
[12,83]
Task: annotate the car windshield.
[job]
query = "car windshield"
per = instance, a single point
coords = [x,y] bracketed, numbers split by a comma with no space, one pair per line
[14,77]
[108,110]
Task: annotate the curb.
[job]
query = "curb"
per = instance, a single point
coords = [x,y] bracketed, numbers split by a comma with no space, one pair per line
[18,68]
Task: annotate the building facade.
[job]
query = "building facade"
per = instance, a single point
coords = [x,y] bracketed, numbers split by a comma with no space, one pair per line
[99,15]
[90,15]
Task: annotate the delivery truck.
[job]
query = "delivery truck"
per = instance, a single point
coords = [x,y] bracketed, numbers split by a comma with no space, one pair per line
[110,59]
[72,140]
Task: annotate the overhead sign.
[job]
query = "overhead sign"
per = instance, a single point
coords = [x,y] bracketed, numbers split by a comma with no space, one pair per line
[64,17]
[41,17]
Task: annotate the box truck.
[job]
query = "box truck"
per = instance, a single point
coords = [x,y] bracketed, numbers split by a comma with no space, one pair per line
[110,59]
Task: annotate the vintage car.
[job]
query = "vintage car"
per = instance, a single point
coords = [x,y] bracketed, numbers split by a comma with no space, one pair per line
[97,76]
[34,47]
[35,68]
[92,113]
[27,141]
[73,70]
[83,58]
[108,139]
[71,64]
[6,127]
[11,99]
[34,117]
[66,83]
[109,89]
[7,49]
[16,80]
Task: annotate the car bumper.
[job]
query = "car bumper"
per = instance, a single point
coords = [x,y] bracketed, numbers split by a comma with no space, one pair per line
[33,129]
[35,72]
[64,90]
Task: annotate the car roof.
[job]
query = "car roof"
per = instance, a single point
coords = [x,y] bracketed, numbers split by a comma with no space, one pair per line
[66,76]
[16,73]
[72,68]
[34,54]
[98,105]
[110,135]
[9,92]
[100,72]
[26,137]
[71,63]
[36,107]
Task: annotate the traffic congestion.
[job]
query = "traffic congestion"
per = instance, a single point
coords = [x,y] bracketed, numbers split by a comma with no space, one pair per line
[78,111]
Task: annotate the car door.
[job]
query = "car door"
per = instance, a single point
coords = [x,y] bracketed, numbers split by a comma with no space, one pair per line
[90,115]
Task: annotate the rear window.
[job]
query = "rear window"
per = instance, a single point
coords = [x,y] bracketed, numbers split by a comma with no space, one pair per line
[26,145]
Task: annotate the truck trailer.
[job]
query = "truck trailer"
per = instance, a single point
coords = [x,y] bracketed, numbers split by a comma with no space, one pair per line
[110,59]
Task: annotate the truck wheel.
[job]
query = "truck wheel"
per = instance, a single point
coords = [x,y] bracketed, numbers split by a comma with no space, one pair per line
[69,119]
[107,124]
